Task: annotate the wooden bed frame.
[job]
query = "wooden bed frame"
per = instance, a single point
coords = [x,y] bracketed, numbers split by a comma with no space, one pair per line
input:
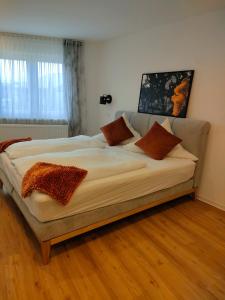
[194,135]
[46,245]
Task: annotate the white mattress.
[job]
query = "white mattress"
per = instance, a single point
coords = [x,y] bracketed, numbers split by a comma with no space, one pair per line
[157,175]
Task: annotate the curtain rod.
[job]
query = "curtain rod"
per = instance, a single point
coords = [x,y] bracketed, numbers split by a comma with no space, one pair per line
[32,36]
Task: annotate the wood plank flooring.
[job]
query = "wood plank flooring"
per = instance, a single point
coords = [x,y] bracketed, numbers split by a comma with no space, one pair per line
[174,251]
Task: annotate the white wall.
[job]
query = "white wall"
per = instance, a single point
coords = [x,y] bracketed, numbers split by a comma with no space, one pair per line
[197,43]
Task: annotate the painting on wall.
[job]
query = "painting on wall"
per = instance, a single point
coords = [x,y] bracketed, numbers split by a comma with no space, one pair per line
[165,93]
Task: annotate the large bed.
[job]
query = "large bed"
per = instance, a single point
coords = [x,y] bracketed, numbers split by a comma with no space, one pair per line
[138,183]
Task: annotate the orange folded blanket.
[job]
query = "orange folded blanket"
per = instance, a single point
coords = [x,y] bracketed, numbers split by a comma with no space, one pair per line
[59,182]
[7,143]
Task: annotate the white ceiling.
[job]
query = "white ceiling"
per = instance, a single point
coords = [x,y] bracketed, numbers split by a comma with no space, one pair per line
[96,19]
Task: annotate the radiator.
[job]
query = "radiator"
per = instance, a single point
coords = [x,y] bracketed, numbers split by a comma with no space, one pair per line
[8,131]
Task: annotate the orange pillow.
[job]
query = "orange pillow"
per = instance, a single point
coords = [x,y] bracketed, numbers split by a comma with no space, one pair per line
[158,142]
[116,132]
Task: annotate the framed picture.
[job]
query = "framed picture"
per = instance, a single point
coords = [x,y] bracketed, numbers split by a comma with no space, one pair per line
[165,93]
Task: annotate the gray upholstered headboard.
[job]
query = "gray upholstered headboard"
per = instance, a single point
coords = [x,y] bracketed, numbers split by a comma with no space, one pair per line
[193,133]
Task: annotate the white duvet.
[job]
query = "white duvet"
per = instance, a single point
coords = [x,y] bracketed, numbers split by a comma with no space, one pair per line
[100,163]
[35,147]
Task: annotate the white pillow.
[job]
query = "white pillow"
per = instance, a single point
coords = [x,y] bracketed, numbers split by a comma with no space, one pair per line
[129,126]
[133,148]
[136,135]
[178,151]
[100,137]
[133,139]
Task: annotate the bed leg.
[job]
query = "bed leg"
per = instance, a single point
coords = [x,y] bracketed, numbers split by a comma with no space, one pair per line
[45,251]
[193,195]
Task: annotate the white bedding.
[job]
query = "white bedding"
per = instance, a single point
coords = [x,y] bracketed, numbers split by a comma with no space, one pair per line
[35,147]
[99,163]
[92,194]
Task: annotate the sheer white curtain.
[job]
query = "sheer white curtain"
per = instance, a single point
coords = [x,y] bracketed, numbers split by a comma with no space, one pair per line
[31,79]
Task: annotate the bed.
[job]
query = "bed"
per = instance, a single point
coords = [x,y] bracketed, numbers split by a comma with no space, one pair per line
[116,195]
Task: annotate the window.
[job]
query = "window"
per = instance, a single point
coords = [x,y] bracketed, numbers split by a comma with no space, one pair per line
[31,79]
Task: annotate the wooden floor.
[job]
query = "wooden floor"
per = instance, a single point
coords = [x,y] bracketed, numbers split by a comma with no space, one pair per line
[175,251]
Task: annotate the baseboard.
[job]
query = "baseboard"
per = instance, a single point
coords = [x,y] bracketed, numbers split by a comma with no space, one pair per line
[217,205]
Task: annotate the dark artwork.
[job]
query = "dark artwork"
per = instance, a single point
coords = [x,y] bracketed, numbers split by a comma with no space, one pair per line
[165,93]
